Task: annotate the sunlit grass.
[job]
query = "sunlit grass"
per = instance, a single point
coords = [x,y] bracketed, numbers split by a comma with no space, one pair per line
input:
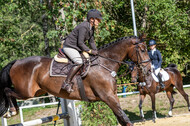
[99,113]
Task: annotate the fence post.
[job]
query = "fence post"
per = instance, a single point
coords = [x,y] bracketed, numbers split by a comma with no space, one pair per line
[68,106]
[124,91]
[4,121]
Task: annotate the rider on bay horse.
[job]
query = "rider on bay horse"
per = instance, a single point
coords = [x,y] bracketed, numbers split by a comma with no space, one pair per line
[75,43]
[156,60]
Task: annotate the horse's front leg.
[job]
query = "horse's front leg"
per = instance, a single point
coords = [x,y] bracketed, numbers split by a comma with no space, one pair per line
[112,101]
[142,97]
[152,95]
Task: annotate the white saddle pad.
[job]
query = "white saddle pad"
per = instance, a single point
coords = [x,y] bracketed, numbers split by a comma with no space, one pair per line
[165,76]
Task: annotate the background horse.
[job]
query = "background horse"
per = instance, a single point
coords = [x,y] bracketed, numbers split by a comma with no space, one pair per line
[151,88]
[28,77]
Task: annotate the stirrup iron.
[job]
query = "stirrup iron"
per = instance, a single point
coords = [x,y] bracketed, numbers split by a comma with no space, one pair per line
[67,87]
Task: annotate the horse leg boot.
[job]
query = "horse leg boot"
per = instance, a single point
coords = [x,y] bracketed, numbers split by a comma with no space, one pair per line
[160,80]
[67,85]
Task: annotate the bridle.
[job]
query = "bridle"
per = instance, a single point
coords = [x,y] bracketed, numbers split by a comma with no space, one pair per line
[140,64]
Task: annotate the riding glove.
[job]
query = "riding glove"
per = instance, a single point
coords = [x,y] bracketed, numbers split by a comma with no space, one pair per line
[94,52]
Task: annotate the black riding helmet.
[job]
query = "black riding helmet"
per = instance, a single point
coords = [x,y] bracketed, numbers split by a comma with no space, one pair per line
[152,42]
[94,14]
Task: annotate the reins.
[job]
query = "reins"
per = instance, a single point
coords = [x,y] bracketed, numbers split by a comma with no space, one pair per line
[113,73]
[126,63]
[121,62]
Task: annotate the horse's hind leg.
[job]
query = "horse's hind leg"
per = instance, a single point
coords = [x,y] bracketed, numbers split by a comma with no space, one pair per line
[12,103]
[171,99]
[14,109]
[179,87]
[142,97]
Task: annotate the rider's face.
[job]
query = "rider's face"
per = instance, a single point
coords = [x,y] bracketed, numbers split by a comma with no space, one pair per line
[95,22]
[152,47]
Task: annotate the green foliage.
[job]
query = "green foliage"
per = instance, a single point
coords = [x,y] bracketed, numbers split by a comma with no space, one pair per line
[19,35]
[168,25]
[93,113]
[166,21]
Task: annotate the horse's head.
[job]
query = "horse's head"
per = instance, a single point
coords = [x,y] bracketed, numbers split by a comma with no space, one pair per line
[139,54]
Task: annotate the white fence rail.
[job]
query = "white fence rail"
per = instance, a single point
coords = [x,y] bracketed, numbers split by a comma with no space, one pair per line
[32,106]
[136,92]
[68,110]
[68,106]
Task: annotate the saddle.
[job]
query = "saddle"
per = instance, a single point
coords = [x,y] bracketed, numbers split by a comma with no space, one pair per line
[61,57]
[61,64]
[165,76]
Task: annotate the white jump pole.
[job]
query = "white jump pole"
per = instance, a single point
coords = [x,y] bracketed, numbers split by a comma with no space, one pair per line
[133,16]
[42,120]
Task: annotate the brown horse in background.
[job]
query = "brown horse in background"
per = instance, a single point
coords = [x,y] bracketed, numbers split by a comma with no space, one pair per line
[28,77]
[151,87]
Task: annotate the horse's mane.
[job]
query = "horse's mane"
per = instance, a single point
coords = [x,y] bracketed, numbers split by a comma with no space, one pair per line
[172,65]
[116,41]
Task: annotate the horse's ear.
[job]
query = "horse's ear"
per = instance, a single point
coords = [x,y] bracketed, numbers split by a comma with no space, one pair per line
[134,41]
[142,36]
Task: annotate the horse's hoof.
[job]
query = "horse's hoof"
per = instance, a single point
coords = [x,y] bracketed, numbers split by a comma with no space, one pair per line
[143,119]
[170,114]
[13,113]
[129,124]
[7,115]
[154,120]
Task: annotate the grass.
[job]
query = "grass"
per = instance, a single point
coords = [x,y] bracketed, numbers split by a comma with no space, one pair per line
[129,105]
[162,105]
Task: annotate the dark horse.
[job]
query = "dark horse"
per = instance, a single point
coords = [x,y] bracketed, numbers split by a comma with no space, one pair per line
[29,77]
[151,88]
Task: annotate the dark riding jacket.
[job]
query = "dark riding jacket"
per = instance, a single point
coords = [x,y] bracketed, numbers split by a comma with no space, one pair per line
[76,39]
[155,58]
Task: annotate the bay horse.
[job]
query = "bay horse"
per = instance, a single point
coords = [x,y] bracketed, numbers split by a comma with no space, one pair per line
[151,88]
[29,77]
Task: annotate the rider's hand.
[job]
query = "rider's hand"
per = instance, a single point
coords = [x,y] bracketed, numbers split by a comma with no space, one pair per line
[94,52]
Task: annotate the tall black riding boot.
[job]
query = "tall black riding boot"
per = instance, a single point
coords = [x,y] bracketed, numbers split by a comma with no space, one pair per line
[67,84]
[160,80]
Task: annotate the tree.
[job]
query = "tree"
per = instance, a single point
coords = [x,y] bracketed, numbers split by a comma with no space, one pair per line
[22,32]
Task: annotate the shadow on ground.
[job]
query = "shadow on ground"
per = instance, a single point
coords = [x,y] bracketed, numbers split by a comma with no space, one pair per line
[147,114]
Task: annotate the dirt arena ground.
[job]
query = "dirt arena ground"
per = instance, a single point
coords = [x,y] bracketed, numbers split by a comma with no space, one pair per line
[181,115]
[179,120]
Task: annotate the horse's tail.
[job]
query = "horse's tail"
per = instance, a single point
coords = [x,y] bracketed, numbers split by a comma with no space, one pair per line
[172,65]
[5,81]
